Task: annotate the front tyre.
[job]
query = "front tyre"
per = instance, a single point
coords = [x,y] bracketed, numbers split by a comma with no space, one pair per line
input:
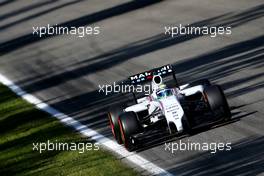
[217,102]
[113,115]
[129,125]
[187,126]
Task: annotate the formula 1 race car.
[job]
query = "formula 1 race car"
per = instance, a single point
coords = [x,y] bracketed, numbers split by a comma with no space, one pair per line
[170,107]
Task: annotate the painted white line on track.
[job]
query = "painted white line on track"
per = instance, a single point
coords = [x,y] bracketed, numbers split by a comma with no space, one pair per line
[69,121]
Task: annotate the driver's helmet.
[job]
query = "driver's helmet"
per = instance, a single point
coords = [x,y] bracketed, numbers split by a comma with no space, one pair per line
[163,93]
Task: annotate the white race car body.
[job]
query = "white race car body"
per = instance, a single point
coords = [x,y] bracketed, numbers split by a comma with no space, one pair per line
[173,112]
[169,107]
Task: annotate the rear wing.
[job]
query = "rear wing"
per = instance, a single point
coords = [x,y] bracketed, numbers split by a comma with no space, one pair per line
[147,76]
[166,72]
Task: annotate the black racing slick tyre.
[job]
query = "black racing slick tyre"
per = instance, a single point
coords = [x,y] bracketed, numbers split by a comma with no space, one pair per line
[187,126]
[217,102]
[113,115]
[129,125]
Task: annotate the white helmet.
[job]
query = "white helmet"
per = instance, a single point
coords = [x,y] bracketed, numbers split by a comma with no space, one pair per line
[157,83]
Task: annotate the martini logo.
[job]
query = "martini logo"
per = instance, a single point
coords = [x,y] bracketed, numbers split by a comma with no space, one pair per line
[163,70]
[140,76]
[148,75]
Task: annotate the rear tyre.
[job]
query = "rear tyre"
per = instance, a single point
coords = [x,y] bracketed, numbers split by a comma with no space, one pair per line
[129,125]
[187,126]
[173,128]
[217,102]
[113,116]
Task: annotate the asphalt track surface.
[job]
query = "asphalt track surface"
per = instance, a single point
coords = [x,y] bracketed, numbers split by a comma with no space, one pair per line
[65,71]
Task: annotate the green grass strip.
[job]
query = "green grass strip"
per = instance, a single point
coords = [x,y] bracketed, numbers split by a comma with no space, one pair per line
[21,125]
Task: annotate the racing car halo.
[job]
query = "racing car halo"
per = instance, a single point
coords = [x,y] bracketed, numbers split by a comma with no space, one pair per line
[173,108]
